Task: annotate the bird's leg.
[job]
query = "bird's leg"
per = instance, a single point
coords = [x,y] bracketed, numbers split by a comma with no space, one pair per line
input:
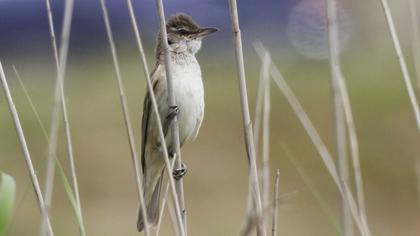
[172,113]
[177,173]
[180,172]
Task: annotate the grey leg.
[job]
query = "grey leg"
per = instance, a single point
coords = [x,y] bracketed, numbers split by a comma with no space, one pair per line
[180,172]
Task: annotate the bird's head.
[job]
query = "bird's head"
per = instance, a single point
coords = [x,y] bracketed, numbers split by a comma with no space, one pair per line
[184,34]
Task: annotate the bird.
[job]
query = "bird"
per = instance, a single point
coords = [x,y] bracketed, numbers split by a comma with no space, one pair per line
[184,40]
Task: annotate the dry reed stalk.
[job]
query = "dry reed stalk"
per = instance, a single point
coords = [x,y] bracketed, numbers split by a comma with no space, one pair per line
[415,38]
[275,204]
[173,216]
[258,112]
[163,203]
[340,126]
[340,86]
[247,124]
[348,115]
[61,74]
[354,151]
[127,121]
[262,112]
[54,126]
[259,108]
[25,150]
[251,218]
[174,124]
[316,139]
[401,60]
[59,102]
[265,74]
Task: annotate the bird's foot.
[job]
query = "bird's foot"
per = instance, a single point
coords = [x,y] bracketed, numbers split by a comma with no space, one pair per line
[180,172]
[173,112]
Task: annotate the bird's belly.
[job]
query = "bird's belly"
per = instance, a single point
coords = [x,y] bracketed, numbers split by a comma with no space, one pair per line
[189,95]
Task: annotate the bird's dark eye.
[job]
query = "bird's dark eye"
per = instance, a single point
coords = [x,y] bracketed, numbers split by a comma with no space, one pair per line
[182,31]
[170,42]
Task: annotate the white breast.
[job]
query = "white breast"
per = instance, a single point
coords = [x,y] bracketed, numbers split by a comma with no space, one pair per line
[189,94]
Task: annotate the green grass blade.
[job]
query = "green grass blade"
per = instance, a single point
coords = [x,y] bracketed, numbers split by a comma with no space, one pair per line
[7,200]
[71,197]
[67,187]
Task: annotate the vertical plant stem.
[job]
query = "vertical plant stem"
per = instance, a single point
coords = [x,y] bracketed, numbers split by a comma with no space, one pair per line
[354,151]
[266,131]
[262,112]
[59,102]
[64,46]
[260,104]
[24,146]
[341,88]
[247,125]
[163,202]
[154,104]
[173,216]
[415,38]
[54,126]
[275,204]
[180,206]
[172,102]
[148,80]
[66,183]
[126,115]
[258,109]
[401,60]
[340,126]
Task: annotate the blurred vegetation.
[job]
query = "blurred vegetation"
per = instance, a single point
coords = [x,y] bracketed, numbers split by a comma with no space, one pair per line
[217,179]
[7,199]
[216,185]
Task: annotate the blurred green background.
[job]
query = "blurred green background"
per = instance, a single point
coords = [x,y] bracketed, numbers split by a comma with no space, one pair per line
[216,183]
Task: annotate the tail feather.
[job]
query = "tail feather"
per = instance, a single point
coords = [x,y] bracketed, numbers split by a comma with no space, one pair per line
[153,207]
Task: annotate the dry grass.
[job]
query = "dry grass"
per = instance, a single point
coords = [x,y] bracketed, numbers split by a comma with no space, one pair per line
[126,115]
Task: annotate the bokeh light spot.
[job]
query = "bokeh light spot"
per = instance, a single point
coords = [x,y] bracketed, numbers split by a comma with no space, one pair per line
[307,28]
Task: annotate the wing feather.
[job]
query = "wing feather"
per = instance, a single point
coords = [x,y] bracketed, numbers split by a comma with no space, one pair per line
[147,112]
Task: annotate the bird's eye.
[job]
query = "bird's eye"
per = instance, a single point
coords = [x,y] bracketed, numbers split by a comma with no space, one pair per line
[182,32]
[170,42]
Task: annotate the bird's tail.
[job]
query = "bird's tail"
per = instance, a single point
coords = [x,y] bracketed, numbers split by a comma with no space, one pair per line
[152,206]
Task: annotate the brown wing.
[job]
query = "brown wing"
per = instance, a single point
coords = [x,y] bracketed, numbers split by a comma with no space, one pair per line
[147,112]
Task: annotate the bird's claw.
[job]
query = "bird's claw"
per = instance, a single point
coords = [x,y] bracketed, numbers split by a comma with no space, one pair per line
[180,172]
[173,111]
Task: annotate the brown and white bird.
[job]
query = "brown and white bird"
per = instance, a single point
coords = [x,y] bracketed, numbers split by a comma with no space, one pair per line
[184,40]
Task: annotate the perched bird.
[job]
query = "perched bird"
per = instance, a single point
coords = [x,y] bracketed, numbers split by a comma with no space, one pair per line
[184,40]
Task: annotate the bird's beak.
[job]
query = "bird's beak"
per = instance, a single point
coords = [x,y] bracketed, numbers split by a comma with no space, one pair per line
[206,31]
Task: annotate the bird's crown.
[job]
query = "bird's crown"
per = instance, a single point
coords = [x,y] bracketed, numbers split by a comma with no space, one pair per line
[181,23]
